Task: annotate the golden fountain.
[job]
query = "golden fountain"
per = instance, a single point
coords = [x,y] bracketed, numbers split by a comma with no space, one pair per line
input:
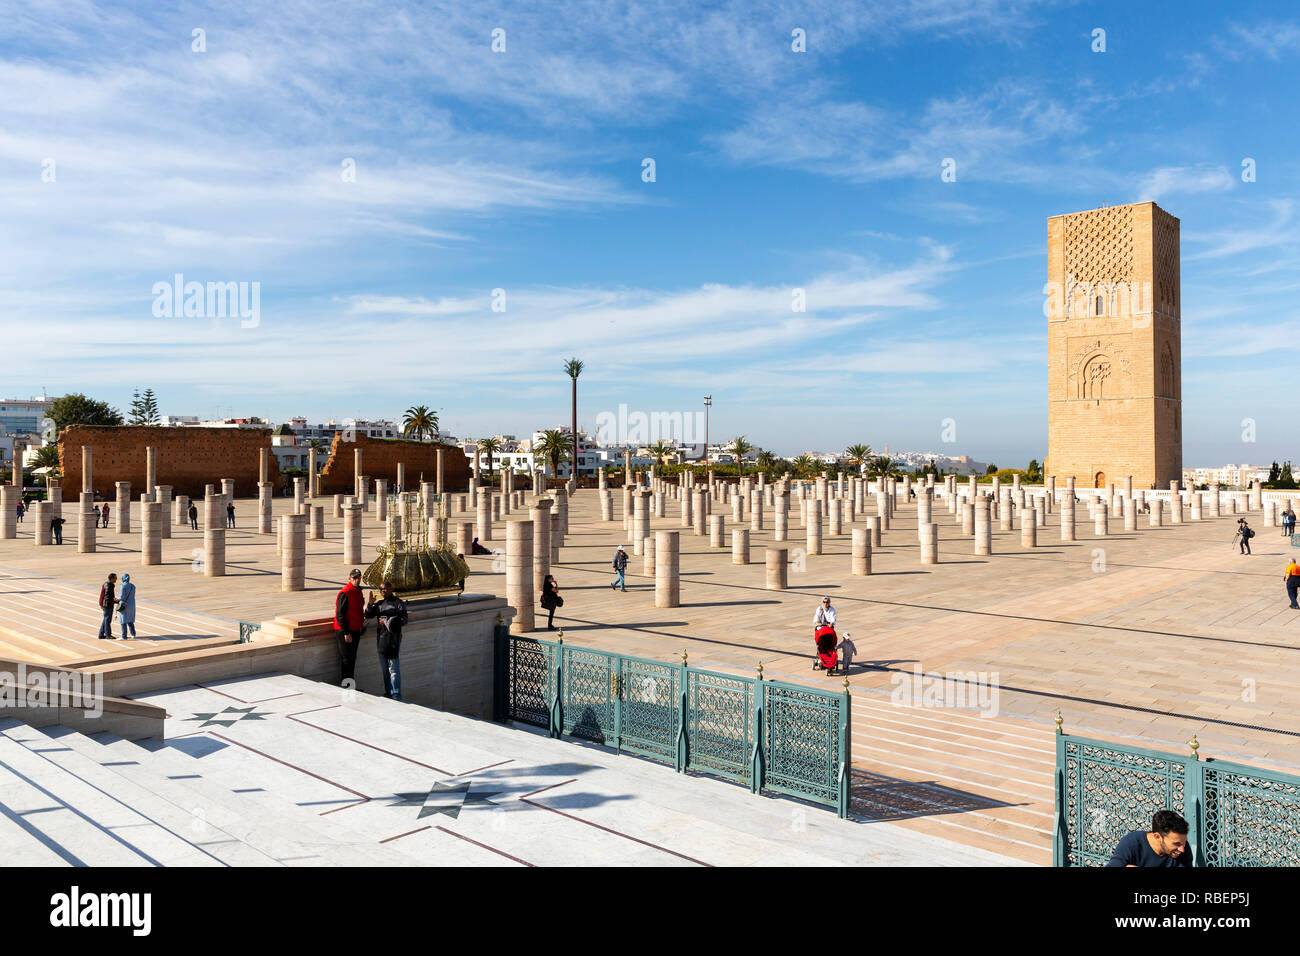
[407,559]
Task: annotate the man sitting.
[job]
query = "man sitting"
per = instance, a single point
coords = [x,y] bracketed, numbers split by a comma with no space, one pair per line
[1164,845]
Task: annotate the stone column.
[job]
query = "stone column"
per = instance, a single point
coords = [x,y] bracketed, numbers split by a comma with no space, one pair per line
[716,531]
[606,505]
[150,470]
[1099,519]
[163,495]
[968,519]
[123,516]
[40,515]
[521,593]
[737,508]
[756,510]
[381,499]
[882,510]
[1029,529]
[264,492]
[873,525]
[1067,518]
[87,455]
[814,526]
[1197,505]
[55,500]
[214,536]
[836,518]
[699,510]
[1130,514]
[313,474]
[781,518]
[181,510]
[484,516]
[151,521]
[352,534]
[10,495]
[1270,514]
[640,529]
[1213,497]
[929,535]
[688,519]
[316,522]
[293,557]
[777,565]
[983,526]
[667,568]
[540,515]
[1256,495]
[740,546]
[465,536]
[1157,512]
[87,522]
[860,562]
[648,556]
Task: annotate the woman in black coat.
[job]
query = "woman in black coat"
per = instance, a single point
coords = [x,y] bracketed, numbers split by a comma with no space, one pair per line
[551,600]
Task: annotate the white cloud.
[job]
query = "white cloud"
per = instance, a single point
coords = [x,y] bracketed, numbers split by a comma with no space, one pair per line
[1181,180]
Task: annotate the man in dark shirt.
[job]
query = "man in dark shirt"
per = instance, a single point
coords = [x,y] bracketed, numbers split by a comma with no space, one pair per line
[391,612]
[1165,844]
[194,517]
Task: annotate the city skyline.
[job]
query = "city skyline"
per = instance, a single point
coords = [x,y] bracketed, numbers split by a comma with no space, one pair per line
[393,217]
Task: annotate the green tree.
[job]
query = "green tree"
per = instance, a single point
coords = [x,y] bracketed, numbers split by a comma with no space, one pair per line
[1285,480]
[419,422]
[47,456]
[660,450]
[991,470]
[739,448]
[489,447]
[144,408]
[553,446]
[766,460]
[573,368]
[77,409]
[1033,472]
[858,455]
[802,465]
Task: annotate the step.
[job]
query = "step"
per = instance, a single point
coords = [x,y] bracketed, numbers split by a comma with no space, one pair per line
[67,813]
[81,756]
[24,845]
[234,797]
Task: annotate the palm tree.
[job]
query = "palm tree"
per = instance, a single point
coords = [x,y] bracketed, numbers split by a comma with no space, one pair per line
[573,368]
[491,446]
[47,456]
[739,448]
[418,422]
[802,465]
[660,450]
[765,460]
[883,467]
[552,446]
[858,455]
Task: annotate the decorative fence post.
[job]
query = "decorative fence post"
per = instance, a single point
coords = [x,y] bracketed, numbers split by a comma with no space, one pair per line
[683,751]
[1059,833]
[756,760]
[557,707]
[500,670]
[846,754]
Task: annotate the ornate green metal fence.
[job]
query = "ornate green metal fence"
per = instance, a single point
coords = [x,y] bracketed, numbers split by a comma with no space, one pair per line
[770,735]
[1236,815]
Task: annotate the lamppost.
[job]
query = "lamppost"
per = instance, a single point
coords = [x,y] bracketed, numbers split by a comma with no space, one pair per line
[708,472]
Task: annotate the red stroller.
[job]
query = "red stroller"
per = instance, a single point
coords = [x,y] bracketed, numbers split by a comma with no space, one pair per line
[827,657]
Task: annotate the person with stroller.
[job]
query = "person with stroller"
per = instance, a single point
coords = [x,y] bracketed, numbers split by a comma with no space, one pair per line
[825,637]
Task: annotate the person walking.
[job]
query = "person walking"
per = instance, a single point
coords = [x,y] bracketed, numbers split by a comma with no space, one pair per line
[620,566]
[391,612]
[103,515]
[1244,532]
[824,615]
[107,598]
[126,608]
[194,517]
[551,600]
[56,529]
[22,510]
[1291,578]
[349,622]
[230,515]
[1288,523]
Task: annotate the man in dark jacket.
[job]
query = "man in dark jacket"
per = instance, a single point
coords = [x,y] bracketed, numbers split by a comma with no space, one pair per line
[349,622]
[391,611]
[620,567]
[194,517]
[56,530]
[107,598]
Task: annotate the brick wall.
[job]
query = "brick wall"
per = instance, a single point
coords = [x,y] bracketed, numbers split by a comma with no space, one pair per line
[188,458]
[379,459]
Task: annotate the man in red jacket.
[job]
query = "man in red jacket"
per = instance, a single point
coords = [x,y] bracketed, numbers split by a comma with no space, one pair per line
[349,620]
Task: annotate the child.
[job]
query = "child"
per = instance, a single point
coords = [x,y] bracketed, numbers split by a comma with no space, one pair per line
[846,649]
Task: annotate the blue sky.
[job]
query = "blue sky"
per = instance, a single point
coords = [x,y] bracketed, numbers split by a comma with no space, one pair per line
[522,170]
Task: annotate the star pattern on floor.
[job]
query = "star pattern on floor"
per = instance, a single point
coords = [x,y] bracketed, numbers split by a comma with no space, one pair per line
[227,718]
[447,799]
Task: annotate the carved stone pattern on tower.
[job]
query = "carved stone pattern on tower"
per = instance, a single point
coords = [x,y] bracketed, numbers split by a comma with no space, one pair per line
[1098,370]
[1099,245]
[1166,266]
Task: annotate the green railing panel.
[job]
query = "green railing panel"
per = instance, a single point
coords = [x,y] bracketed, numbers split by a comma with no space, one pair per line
[589,697]
[530,681]
[1249,817]
[247,630]
[719,723]
[802,740]
[649,716]
[1108,791]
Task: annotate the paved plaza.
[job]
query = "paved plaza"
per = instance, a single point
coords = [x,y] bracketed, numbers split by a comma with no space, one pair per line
[1148,636]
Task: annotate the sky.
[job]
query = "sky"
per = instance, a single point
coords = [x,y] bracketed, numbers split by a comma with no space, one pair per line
[427,219]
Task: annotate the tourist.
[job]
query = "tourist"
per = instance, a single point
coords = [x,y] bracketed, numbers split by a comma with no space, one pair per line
[462,580]
[194,517]
[824,615]
[349,622]
[230,515]
[1244,533]
[107,598]
[551,600]
[56,529]
[620,567]
[391,612]
[1288,523]
[126,607]
[1291,578]
[847,650]
[22,509]
[103,514]
[476,548]
[1164,845]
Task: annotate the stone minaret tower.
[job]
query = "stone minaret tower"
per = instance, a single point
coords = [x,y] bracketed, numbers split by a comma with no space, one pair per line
[1114,354]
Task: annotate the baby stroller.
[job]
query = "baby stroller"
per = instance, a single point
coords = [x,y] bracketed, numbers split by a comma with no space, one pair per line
[827,657]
